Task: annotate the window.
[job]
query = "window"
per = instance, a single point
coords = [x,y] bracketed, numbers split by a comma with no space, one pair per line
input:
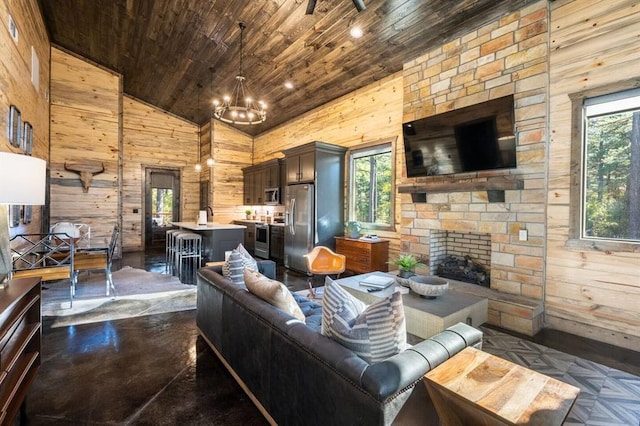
[610,175]
[371,186]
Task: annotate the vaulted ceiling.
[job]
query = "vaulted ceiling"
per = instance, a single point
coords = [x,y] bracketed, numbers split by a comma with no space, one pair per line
[166,49]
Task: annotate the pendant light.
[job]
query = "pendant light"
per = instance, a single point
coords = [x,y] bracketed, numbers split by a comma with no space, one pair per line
[210,160]
[240,107]
[198,166]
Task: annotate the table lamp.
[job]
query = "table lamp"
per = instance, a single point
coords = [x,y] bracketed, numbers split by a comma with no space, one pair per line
[22,181]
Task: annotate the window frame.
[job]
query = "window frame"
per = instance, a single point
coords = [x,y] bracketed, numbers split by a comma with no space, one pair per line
[577,172]
[381,145]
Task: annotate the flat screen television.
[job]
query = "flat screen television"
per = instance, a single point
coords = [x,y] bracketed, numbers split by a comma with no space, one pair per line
[474,138]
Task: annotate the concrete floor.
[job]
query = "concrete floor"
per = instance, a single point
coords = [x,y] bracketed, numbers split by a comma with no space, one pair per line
[155,370]
[151,370]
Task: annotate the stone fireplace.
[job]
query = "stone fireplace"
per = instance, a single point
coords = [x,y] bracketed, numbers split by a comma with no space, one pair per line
[470,251]
[506,56]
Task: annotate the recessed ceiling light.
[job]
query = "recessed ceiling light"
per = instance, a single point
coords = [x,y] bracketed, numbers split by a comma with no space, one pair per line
[356,32]
[288,85]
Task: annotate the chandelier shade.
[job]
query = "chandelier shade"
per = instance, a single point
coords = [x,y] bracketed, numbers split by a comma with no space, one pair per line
[240,107]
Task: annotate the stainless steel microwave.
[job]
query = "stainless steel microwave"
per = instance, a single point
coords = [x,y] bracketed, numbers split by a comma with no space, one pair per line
[272,196]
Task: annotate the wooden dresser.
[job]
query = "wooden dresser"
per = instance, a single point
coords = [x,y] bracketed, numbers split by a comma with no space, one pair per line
[20,334]
[364,256]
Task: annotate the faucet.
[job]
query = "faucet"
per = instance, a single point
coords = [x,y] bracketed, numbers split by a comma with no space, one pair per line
[210,210]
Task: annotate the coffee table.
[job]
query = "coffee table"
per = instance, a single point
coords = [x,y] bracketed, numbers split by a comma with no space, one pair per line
[425,317]
[474,387]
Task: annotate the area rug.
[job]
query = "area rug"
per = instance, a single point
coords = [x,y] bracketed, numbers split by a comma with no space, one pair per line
[137,293]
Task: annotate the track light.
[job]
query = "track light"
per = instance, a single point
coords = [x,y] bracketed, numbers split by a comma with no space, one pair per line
[359,4]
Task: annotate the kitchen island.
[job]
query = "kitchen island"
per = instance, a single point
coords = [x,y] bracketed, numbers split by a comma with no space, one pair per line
[216,238]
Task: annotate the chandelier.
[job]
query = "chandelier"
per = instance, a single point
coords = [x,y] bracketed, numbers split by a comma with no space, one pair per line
[240,107]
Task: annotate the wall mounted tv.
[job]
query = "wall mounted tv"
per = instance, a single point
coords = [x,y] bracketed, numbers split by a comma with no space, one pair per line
[474,138]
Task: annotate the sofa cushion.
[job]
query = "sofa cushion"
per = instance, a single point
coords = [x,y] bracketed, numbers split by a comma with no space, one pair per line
[273,292]
[312,311]
[373,332]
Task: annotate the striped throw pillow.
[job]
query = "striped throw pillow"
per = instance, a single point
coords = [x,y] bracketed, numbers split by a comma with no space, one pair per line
[373,332]
[233,267]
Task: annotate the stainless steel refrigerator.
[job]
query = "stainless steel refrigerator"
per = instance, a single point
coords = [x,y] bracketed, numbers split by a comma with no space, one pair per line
[314,200]
[299,228]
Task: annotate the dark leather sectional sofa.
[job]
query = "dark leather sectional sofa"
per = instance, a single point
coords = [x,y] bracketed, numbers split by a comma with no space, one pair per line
[296,376]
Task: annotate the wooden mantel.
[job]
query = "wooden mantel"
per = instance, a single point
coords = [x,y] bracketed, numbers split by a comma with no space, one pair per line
[488,184]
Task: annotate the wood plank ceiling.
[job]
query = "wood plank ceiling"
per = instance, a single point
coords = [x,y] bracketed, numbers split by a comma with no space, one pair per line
[165,48]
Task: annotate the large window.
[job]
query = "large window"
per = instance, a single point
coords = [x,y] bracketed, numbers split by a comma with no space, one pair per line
[371,186]
[610,187]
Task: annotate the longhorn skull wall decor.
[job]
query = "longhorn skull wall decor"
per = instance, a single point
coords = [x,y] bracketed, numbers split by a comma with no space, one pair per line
[87,169]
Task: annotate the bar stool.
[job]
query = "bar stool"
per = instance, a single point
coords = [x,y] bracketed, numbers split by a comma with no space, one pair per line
[170,247]
[188,256]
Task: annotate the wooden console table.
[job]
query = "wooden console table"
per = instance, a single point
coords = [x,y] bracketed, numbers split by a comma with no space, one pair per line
[475,387]
[364,256]
[20,334]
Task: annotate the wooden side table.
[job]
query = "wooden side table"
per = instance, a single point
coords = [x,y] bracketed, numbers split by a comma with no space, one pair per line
[475,387]
[364,256]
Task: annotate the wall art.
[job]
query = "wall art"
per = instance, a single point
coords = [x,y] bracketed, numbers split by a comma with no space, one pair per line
[15,126]
[27,138]
[27,214]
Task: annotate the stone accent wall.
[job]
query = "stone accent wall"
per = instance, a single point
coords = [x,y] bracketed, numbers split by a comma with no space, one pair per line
[507,56]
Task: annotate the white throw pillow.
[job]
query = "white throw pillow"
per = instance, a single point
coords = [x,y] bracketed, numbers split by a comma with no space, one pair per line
[272,292]
[373,332]
[249,261]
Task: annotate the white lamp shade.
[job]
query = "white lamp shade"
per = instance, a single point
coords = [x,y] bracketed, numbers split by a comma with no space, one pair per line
[22,179]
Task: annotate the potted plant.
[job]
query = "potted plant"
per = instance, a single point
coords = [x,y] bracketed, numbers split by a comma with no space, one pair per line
[248,213]
[407,263]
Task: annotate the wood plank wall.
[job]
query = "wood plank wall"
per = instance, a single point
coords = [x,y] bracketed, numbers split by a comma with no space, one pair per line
[15,83]
[232,150]
[92,119]
[157,139]
[592,293]
[85,114]
[370,114]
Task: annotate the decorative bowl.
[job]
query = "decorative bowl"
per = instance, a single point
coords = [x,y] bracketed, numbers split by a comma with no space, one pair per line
[428,286]
[402,281]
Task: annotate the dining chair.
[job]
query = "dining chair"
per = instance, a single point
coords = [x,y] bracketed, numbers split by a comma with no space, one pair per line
[88,260]
[48,256]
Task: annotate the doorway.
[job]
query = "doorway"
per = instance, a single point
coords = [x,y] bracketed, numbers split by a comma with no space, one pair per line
[161,206]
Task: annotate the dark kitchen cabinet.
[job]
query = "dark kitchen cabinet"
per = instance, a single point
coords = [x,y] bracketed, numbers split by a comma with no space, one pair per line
[301,167]
[276,246]
[272,174]
[249,234]
[253,178]
[259,177]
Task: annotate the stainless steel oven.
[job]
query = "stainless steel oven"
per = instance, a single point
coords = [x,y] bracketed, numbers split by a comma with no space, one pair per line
[261,248]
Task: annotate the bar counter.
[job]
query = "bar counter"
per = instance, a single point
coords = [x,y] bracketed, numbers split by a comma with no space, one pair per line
[216,238]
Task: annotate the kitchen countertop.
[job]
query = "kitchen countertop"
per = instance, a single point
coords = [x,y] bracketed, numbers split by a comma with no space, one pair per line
[210,226]
[258,222]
